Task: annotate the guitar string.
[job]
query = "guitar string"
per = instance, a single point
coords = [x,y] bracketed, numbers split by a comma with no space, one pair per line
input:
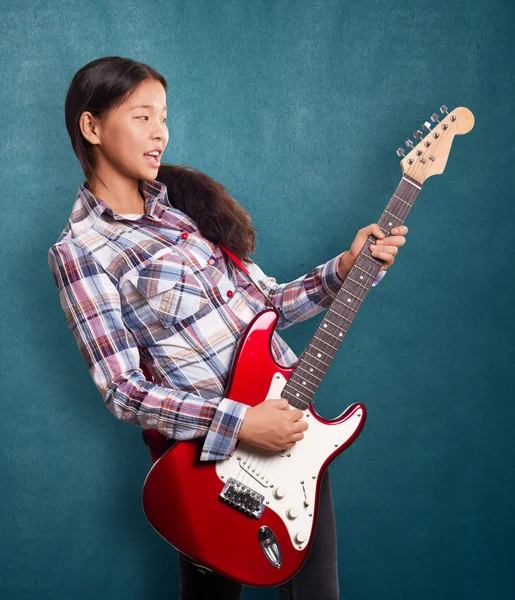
[411,193]
[408,192]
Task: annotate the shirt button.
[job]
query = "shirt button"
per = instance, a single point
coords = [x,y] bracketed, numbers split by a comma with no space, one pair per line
[184,235]
[230,293]
[211,261]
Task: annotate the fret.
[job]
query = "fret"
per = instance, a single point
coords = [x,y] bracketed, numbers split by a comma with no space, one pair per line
[319,358]
[347,292]
[315,337]
[345,304]
[300,368]
[320,350]
[361,268]
[350,321]
[303,388]
[298,393]
[402,200]
[302,360]
[401,210]
[394,216]
[363,286]
[371,258]
[339,338]
[295,400]
[414,184]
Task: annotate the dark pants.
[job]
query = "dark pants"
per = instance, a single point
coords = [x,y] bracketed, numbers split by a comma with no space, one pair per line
[317,578]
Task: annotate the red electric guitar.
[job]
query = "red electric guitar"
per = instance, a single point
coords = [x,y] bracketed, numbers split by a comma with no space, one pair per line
[251,517]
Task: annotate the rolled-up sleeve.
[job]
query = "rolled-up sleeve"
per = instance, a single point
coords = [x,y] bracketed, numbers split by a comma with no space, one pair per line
[305,296]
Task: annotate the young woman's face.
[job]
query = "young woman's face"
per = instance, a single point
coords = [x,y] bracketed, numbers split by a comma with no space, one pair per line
[133,129]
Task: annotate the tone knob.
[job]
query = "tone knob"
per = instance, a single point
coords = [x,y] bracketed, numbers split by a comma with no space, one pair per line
[292,513]
[300,537]
[279,493]
[306,502]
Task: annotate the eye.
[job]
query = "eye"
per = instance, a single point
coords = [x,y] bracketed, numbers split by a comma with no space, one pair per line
[164,119]
[142,117]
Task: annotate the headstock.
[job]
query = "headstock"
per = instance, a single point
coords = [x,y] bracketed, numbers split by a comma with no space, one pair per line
[430,155]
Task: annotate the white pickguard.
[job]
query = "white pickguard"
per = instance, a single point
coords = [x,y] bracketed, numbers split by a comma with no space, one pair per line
[293,473]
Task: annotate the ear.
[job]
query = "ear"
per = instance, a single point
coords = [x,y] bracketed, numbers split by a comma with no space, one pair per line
[90,127]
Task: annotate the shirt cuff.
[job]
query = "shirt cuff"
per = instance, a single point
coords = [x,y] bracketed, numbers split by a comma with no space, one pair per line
[331,281]
[379,277]
[222,436]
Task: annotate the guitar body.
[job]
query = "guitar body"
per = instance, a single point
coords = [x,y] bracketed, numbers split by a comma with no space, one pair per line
[262,537]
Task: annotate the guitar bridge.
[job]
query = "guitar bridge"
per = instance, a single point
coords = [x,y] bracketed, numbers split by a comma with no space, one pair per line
[243,498]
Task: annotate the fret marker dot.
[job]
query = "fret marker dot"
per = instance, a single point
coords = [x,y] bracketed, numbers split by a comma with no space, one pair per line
[348,299]
[390,224]
[340,334]
[311,370]
[361,276]
[325,324]
[319,355]
[303,383]
[297,394]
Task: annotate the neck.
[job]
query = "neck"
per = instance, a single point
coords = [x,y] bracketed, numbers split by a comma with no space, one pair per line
[120,192]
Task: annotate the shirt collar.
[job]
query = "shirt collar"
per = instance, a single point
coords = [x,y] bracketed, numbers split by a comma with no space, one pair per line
[88,207]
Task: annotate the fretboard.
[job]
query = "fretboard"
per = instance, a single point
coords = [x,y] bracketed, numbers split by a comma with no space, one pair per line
[316,358]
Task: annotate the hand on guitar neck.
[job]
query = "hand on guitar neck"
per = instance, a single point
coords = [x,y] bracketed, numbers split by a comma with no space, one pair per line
[273,425]
[383,249]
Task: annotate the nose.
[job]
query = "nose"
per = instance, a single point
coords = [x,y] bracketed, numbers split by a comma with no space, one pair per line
[161,132]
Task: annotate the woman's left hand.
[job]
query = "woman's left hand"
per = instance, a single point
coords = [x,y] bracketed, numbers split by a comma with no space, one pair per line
[383,249]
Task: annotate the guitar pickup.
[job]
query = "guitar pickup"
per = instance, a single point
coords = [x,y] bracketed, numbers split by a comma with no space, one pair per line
[243,498]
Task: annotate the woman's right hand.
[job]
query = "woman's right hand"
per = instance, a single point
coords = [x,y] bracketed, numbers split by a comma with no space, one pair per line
[273,425]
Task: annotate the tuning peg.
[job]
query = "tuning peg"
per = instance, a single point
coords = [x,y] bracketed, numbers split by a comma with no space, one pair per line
[426,126]
[443,109]
[400,151]
[409,143]
[435,118]
[417,135]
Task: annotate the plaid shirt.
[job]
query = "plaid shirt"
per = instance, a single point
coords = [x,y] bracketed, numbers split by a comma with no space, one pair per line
[151,288]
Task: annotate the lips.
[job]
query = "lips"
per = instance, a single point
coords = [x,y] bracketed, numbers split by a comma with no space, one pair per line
[153,158]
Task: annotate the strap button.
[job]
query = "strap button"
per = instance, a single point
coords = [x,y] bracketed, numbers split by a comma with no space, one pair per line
[230,293]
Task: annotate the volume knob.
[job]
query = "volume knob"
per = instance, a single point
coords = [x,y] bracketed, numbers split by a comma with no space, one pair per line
[292,513]
[300,537]
[279,493]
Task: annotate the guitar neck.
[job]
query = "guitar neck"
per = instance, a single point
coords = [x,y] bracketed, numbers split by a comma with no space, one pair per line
[316,358]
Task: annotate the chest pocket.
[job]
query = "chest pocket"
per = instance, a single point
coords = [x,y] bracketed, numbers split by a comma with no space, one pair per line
[171,288]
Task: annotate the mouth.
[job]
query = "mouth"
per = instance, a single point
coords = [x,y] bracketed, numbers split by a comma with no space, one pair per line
[152,158]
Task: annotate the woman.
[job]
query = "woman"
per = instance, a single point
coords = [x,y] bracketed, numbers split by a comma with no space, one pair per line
[143,280]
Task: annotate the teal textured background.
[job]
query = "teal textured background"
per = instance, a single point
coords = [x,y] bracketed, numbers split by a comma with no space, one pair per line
[297,108]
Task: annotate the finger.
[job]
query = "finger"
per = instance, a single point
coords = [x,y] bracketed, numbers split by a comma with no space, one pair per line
[301,425]
[374,230]
[401,229]
[297,414]
[392,240]
[296,437]
[387,249]
[384,256]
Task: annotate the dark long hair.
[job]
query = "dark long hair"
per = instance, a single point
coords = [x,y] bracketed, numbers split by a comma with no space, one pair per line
[104,84]
[219,217]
